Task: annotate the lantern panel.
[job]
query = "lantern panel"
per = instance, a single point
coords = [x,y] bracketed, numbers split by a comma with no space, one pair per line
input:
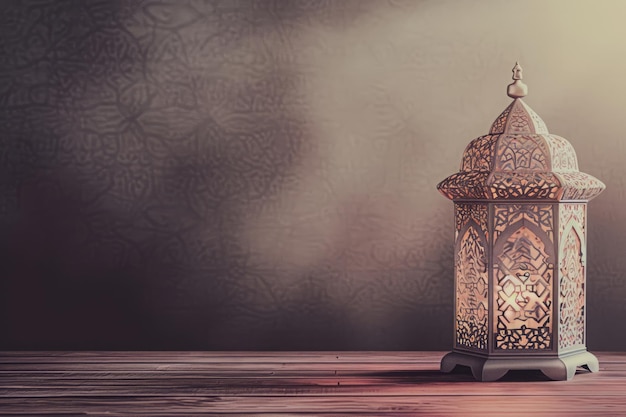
[562,153]
[518,117]
[523,274]
[539,215]
[478,155]
[522,152]
[498,126]
[472,277]
[572,275]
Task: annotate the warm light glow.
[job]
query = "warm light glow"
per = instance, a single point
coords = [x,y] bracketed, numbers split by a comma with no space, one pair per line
[520,248]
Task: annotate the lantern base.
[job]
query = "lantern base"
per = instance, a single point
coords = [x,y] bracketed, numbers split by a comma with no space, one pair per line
[484,368]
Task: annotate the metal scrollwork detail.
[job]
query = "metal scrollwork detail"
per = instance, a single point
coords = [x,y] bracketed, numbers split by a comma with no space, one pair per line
[572,275]
[523,273]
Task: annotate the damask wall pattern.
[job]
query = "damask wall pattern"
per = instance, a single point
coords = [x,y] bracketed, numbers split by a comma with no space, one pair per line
[155,150]
[260,174]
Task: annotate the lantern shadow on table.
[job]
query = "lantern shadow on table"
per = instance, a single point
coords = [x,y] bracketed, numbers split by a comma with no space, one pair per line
[461,374]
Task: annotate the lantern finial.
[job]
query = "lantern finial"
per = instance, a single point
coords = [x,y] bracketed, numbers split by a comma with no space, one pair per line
[517,89]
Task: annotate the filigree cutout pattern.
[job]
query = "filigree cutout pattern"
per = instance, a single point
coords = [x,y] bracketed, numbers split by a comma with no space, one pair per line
[540,215]
[471,290]
[518,118]
[522,152]
[572,275]
[579,186]
[519,121]
[499,124]
[478,155]
[562,154]
[523,274]
[519,159]
[510,185]
[540,125]
[469,184]
[475,211]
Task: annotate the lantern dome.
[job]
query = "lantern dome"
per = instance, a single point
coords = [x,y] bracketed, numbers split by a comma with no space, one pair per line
[519,158]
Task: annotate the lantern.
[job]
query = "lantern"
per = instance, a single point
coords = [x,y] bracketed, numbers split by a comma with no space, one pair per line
[520,207]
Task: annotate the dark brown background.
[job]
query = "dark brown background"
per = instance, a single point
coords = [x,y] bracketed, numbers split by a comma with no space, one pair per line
[261,174]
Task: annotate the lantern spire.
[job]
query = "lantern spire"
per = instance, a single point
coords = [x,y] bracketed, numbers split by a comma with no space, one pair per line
[517,89]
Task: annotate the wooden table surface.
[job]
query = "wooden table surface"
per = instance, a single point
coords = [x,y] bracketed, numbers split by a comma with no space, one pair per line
[291,384]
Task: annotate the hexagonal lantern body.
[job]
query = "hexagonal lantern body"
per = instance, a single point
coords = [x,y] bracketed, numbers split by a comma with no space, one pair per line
[520,250]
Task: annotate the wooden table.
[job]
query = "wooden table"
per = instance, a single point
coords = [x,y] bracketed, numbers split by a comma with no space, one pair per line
[291,384]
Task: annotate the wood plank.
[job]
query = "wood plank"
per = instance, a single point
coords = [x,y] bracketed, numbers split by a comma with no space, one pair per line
[219,361]
[338,386]
[239,356]
[217,356]
[290,383]
[458,405]
[328,388]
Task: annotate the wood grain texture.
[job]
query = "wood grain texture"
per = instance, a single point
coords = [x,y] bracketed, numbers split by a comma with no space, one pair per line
[288,383]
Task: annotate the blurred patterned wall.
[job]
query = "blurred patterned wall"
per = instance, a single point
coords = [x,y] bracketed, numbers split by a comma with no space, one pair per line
[260,174]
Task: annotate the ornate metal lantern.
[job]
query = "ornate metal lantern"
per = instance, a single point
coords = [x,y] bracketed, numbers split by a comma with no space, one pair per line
[520,241]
